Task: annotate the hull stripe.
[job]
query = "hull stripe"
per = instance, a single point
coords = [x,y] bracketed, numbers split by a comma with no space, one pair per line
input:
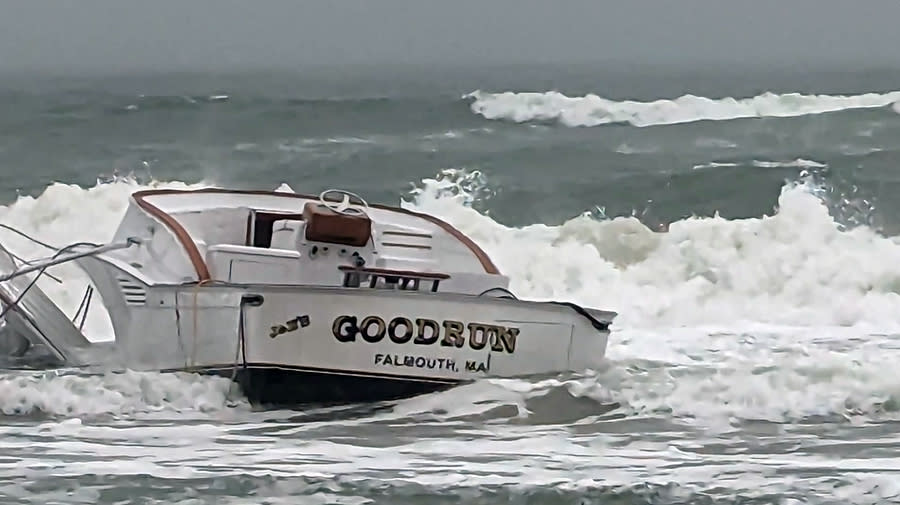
[315,370]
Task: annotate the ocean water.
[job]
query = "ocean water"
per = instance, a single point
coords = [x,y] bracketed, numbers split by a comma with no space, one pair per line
[743,222]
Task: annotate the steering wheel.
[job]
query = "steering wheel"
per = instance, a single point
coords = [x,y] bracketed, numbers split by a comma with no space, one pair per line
[343,207]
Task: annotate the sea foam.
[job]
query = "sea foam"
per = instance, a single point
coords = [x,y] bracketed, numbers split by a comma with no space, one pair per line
[594,110]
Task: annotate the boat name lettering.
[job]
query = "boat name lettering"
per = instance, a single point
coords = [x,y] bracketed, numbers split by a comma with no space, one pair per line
[290,325]
[409,361]
[415,362]
[421,331]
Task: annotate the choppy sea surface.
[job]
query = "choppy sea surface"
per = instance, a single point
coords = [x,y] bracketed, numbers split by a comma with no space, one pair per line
[744,225]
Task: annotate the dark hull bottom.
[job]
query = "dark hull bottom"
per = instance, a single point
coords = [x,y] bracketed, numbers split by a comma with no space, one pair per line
[281,386]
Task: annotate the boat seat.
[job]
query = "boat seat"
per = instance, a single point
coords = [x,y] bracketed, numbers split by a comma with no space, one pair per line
[326,225]
[284,234]
[249,264]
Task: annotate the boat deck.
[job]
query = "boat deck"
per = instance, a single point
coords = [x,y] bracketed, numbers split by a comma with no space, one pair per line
[287,238]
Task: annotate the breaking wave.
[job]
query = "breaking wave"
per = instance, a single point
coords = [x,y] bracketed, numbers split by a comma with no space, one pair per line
[796,163]
[593,110]
[51,219]
[789,316]
[798,266]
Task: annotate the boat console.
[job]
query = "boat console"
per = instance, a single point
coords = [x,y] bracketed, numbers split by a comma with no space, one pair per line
[325,224]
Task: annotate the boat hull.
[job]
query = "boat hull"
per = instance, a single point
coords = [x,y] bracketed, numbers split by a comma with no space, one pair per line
[266,385]
[301,344]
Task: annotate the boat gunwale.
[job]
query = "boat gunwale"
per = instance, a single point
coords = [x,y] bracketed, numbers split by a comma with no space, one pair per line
[257,288]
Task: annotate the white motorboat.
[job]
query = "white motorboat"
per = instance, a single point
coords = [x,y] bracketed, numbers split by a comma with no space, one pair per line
[301,299]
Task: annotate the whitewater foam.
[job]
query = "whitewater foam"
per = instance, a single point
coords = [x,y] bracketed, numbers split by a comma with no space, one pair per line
[112,393]
[781,317]
[795,163]
[61,215]
[797,266]
[593,110]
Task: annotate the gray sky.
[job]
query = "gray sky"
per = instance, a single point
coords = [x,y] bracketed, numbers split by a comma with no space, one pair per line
[229,34]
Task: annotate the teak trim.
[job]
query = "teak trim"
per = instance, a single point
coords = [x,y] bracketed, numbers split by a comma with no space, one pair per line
[199,262]
[180,233]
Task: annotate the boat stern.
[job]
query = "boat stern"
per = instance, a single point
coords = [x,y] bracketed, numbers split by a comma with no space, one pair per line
[590,337]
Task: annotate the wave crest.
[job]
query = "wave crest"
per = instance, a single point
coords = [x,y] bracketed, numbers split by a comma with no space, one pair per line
[593,110]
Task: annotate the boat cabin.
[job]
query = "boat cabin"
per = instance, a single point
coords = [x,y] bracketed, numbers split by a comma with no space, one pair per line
[335,239]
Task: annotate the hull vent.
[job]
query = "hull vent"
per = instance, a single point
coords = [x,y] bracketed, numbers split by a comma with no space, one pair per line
[133,292]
